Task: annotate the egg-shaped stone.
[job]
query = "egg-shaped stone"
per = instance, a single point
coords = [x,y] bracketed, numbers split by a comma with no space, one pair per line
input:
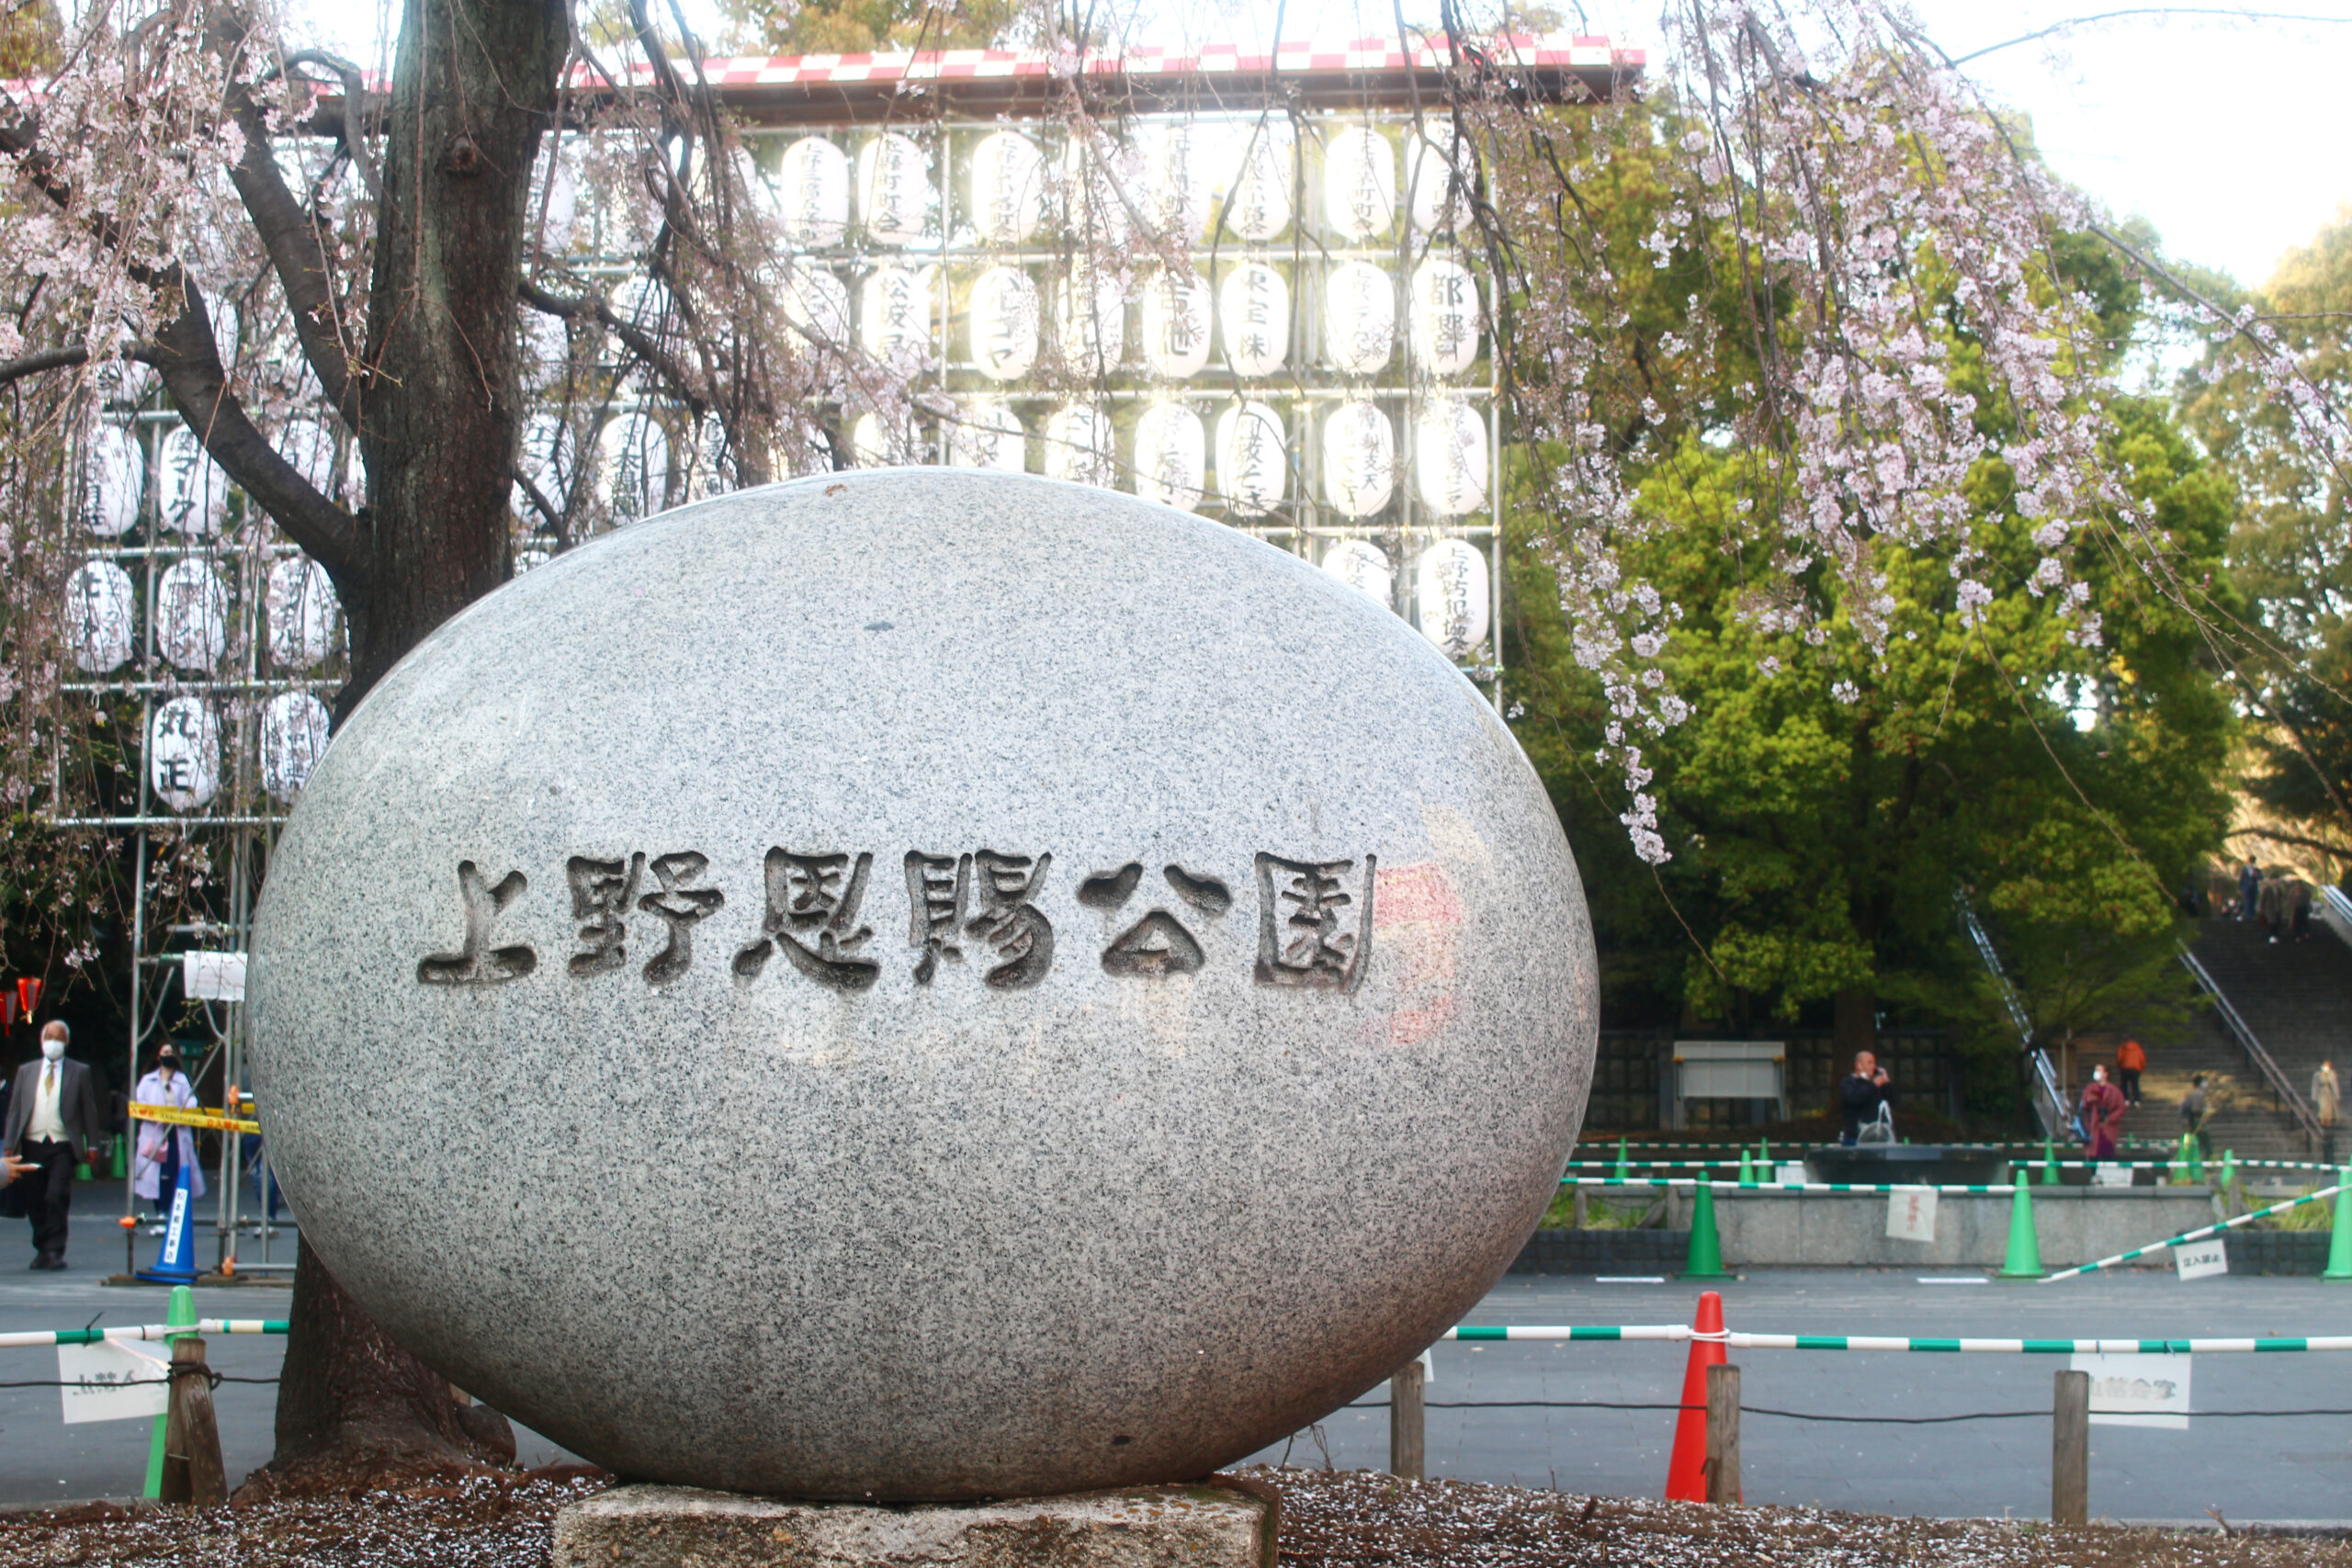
[920,984]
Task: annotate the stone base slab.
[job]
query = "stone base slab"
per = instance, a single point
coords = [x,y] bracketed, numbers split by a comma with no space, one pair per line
[1140,1527]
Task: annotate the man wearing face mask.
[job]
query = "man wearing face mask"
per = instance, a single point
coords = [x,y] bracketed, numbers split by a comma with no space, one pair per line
[53,1123]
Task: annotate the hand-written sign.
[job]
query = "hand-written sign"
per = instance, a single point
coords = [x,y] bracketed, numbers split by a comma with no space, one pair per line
[105,1381]
[1315,919]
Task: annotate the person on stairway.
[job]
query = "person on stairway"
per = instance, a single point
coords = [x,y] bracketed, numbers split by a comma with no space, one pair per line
[2103,1108]
[2249,883]
[2299,908]
[2272,902]
[2327,1103]
[2130,1061]
[2194,1113]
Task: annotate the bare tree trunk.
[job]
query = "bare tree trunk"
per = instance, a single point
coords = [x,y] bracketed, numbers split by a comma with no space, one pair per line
[474,88]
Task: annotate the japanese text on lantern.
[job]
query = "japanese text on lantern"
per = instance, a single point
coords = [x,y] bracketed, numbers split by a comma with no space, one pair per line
[983,908]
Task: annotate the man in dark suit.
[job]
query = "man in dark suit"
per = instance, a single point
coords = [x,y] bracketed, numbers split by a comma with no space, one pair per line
[53,1123]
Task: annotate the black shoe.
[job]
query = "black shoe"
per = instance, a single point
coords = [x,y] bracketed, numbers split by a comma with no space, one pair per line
[47,1261]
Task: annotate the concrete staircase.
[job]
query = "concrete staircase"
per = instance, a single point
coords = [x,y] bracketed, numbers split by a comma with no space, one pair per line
[2297,998]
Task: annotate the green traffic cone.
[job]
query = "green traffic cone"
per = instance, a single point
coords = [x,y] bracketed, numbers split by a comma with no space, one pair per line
[1746,1170]
[2229,1167]
[1706,1257]
[1764,1153]
[2339,1245]
[180,1314]
[2176,1169]
[2049,1162]
[2196,1160]
[1623,1174]
[122,1146]
[2024,1261]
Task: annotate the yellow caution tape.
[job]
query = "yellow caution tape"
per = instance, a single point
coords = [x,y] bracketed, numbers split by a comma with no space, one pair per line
[194,1118]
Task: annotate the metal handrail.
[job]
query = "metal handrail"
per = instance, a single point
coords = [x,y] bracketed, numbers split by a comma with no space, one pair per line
[2261,1058]
[2050,1109]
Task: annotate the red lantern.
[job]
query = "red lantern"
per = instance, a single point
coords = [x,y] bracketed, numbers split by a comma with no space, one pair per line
[28,996]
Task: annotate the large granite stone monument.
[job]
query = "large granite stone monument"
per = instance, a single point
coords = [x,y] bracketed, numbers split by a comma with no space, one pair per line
[922,984]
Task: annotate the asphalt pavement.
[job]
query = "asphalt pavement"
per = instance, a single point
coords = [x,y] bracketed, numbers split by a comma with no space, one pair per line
[2249,1468]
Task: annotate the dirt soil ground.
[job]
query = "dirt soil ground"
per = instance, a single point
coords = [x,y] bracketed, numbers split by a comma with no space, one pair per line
[1330,1519]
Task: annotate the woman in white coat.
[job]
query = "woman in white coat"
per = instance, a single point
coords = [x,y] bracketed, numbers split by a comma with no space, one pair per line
[163,1149]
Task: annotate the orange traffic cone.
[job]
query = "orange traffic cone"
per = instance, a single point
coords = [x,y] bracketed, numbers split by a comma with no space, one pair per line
[1685,1473]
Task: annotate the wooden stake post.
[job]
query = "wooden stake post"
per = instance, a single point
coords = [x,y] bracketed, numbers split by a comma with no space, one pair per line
[1722,1434]
[1406,1447]
[2069,1450]
[192,1469]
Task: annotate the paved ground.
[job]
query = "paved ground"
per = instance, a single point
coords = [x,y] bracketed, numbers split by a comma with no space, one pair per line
[2288,1468]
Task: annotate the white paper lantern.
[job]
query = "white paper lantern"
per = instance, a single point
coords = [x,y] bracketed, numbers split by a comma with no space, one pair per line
[293,737]
[897,310]
[893,187]
[1453,587]
[1258,205]
[1450,458]
[1253,458]
[114,476]
[816,308]
[1003,321]
[1171,456]
[1091,320]
[302,610]
[555,203]
[812,192]
[988,434]
[1253,312]
[1444,315]
[1008,188]
[1174,195]
[1362,566]
[1438,172]
[1097,218]
[191,492]
[100,615]
[1176,323]
[1359,184]
[184,754]
[1359,459]
[1079,446]
[878,443]
[1359,318]
[633,467]
[191,616]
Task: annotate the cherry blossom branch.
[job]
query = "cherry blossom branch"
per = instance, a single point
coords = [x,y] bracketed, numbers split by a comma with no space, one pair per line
[46,359]
[680,382]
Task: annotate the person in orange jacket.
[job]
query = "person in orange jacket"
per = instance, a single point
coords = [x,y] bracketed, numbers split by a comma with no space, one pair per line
[2130,1062]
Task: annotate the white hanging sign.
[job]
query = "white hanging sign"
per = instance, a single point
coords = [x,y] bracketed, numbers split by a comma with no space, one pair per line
[1091,320]
[812,192]
[1444,315]
[1176,324]
[1450,456]
[2137,1391]
[2201,1259]
[1003,321]
[1362,566]
[100,615]
[1079,448]
[1453,593]
[294,728]
[1008,174]
[1359,184]
[108,1381]
[633,467]
[1171,456]
[192,493]
[303,608]
[988,435]
[1258,205]
[816,307]
[1439,178]
[1175,198]
[1359,318]
[1359,459]
[213,977]
[1910,1214]
[1253,458]
[1253,311]
[896,311]
[892,188]
[184,754]
[191,615]
[114,472]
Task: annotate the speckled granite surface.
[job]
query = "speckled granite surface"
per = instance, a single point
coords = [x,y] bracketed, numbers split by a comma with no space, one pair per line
[922,984]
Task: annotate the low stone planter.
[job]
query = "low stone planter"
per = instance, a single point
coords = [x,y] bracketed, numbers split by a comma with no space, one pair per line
[1603,1252]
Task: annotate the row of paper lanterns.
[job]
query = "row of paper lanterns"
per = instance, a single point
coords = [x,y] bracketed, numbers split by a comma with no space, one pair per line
[191,615]
[1184,322]
[1169,174]
[1453,585]
[183,747]
[191,492]
[1171,445]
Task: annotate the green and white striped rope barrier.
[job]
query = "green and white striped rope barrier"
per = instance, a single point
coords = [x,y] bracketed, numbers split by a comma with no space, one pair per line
[31,1339]
[2002,1190]
[1676,1333]
[2035,1161]
[2323,1193]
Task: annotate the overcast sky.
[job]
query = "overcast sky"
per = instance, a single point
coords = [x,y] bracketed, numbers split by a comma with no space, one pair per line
[2233,137]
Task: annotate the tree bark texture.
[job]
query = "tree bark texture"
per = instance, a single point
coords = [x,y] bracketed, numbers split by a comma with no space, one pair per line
[474,88]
